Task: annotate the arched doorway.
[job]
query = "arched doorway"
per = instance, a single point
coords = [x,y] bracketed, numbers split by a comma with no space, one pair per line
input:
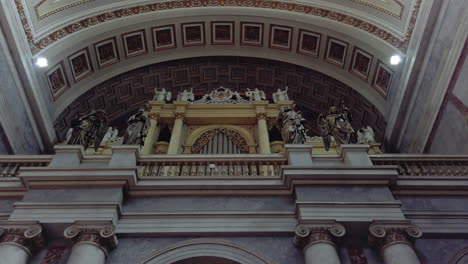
[206,251]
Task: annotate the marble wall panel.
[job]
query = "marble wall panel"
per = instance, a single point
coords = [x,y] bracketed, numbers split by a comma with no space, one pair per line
[437,204]
[74,195]
[344,194]
[438,251]
[205,204]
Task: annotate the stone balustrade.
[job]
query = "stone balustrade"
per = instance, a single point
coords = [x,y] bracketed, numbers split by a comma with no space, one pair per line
[213,165]
[9,165]
[424,165]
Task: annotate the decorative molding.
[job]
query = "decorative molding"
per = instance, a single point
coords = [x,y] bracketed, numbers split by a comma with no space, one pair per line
[261,116]
[154,116]
[180,115]
[27,236]
[386,233]
[319,232]
[37,45]
[57,10]
[98,234]
[381,9]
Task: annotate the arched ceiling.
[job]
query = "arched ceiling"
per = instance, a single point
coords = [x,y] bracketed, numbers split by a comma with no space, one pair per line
[312,91]
[89,42]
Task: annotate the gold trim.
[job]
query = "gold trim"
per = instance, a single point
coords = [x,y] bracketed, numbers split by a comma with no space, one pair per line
[40,44]
[55,11]
[383,10]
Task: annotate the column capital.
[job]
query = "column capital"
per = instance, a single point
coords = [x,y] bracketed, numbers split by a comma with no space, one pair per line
[320,232]
[27,236]
[154,116]
[261,115]
[101,235]
[385,233]
[180,115]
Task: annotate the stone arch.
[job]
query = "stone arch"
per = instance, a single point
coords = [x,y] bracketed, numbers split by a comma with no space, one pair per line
[192,138]
[204,247]
[461,257]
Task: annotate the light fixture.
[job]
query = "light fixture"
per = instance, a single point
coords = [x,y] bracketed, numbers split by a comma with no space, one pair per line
[41,62]
[395,60]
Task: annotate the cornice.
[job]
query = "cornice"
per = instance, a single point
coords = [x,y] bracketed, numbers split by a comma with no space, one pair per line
[38,44]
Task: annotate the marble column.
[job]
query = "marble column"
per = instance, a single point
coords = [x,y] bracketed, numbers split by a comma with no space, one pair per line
[263,139]
[318,241]
[151,135]
[19,241]
[176,134]
[91,242]
[395,241]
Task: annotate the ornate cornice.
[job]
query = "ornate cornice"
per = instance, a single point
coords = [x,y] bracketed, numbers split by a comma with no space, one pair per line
[383,234]
[100,235]
[325,232]
[26,236]
[154,116]
[37,45]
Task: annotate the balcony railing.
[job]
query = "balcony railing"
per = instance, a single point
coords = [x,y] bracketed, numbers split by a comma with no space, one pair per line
[212,165]
[9,165]
[425,165]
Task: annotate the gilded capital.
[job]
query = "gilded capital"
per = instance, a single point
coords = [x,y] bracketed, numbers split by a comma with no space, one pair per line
[99,235]
[154,116]
[26,236]
[321,232]
[383,234]
[261,115]
[179,115]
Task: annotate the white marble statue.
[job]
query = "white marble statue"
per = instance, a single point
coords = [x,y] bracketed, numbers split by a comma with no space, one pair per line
[366,135]
[281,95]
[162,95]
[108,136]
[186,96]
[114,136]
[255,95]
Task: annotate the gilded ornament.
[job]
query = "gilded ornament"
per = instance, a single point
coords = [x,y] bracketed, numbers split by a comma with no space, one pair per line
[154,116]
[179,115]
[262,115]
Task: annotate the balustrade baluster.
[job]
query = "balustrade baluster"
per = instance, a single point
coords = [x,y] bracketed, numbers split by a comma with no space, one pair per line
[424,169]
[200,169]
[162,169]
[245,168]
[5,169]
[254,169]
[13,170]
[448,168]
[440,169]
[231,169]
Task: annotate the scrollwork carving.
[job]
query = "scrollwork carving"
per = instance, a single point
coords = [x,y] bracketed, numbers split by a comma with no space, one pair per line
[179,115]
[383,234]
[236,138]
[26,236]
[102,236]
[318,233]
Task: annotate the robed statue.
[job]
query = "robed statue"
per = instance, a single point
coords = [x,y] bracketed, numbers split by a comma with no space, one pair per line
[137,129]
[88,129]
[255,95]
[162,95]
[280,95]
[292,126]
[336,126]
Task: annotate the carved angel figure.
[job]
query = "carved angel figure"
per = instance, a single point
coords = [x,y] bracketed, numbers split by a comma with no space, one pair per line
[186,96]
[336,126]
[162,95]
[292,126]
[88,129]
[137,128]
[255,95]
[366,135]
[281,95]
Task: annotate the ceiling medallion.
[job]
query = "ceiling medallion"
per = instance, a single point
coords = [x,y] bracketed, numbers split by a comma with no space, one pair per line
[44,42]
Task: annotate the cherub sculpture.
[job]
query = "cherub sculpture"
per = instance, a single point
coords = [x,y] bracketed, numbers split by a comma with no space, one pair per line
[186,96]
